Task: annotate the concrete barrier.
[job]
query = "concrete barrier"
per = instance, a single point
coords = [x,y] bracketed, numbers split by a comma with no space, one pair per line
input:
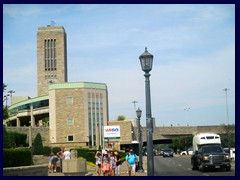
[33,170]
[74,167]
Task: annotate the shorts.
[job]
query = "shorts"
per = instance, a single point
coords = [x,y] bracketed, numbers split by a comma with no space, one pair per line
[105,166]
[131,167]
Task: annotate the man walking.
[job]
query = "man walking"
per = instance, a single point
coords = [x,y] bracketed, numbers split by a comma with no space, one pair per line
[131,160]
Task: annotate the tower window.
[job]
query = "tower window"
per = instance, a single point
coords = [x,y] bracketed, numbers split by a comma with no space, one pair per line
[50,60]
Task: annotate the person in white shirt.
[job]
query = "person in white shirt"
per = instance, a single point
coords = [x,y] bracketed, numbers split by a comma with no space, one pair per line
[66,154]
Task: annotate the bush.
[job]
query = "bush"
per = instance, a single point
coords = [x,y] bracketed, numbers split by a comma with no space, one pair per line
[17,157]
[20,138]
[11,140]
[5,138]
[55,150]
[38,145]
[46,150]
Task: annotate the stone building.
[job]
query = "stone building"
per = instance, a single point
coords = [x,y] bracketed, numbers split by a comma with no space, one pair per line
[73,111]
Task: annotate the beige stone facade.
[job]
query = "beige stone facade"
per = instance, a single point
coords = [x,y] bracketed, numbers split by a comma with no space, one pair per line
[51,57]
[75,110]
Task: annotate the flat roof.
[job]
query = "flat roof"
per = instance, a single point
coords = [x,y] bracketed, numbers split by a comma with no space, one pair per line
[28,101]
[70,85]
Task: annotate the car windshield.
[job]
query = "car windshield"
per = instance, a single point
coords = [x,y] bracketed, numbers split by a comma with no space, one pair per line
[212,149]
[168,150]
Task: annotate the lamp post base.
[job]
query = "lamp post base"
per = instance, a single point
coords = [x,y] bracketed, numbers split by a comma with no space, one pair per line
[140,170]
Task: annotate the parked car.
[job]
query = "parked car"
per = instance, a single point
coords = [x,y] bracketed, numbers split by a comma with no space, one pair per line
[186,152]
[168,153]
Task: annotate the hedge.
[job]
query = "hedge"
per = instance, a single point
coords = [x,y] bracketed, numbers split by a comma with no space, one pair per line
[17,157]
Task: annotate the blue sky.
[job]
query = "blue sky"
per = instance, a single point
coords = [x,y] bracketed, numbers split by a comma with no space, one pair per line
[193,47]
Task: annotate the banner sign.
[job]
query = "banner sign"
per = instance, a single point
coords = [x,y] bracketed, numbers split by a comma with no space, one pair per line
[111,132]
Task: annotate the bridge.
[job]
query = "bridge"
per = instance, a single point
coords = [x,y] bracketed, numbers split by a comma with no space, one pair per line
[162,135]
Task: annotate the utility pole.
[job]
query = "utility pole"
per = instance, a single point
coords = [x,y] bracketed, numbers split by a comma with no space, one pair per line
[134,102]
[226,90]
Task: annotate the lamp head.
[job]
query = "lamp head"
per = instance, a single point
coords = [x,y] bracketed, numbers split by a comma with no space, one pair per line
[139,113]
[146,60]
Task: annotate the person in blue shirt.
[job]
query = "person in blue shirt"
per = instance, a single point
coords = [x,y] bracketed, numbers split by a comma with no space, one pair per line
[131,160]
[53,163]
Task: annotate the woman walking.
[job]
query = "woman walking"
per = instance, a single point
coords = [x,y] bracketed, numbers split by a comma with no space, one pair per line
[118,164]
[105,163]
[98,162]
[112,164]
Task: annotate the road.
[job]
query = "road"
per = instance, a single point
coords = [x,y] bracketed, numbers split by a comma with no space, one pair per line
[181,166]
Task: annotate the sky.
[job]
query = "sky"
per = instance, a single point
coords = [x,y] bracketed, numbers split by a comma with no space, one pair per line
[193,47]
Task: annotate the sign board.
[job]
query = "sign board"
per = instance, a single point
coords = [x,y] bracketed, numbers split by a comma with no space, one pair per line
[111,132]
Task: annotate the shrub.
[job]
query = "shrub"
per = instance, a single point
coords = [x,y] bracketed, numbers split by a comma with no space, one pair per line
[38,145]
[46,150]
[5,138]
[55,150]
[17,157]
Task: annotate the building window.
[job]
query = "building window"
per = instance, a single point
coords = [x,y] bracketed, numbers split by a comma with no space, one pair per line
[70,138]
[69,100]
[69,121]
[50,60]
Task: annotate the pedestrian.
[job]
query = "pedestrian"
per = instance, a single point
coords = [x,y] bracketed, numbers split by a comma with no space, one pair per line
[66,154]
[112,164]
[53,163]
[131,161]
[118,164]
[60,155]
[105,163]
[98,162]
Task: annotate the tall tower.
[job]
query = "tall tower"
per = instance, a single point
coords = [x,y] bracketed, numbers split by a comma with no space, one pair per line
[51,57]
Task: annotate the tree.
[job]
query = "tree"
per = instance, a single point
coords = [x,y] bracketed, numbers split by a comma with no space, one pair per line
[5,108]
[4,87]
[121,118]
[38,145]
[5,138]
[228,139]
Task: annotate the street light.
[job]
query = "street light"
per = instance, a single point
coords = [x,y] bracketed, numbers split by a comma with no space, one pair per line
[139,114]
[187,109]
[6,98]
[226,90]
[146,60]
[11,92]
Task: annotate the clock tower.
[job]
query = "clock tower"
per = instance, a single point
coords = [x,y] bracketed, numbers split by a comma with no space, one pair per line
[51,57]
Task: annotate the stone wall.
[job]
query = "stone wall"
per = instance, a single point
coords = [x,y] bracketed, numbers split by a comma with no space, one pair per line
[36,170]
[44,131]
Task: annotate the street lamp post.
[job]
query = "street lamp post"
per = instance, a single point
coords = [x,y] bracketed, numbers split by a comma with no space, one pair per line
[146,60]
[6,98]
[11,92]
[139,114]
[226,90]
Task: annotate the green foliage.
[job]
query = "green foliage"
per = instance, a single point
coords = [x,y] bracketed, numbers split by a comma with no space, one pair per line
[17,157]
[89,155]
[38,145]
[46,150]
[5,138]
[86,153]
[5,112]
[11,140]
[228,139]
[4,87]
[19,138]
[55,150]
[181,142]
[121,118]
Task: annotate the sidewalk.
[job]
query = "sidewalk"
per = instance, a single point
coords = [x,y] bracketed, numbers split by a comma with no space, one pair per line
[124,170]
